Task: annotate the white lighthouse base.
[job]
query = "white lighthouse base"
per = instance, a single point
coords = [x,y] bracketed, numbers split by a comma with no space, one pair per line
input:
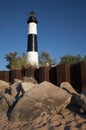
[32,58]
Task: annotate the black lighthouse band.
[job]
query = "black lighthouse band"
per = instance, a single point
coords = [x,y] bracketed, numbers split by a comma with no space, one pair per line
[32,48]
[32,33]
[32,43]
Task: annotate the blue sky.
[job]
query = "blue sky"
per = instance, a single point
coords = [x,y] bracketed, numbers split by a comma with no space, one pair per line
[61,27]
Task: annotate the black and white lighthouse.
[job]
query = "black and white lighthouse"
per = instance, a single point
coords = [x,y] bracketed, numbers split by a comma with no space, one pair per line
[32,48]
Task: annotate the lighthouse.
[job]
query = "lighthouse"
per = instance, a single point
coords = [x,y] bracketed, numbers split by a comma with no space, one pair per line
[32,48]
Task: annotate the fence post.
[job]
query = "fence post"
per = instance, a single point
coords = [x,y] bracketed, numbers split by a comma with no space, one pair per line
[15,74]
[76,76]
[83,75]
[4,75]
[53,75]
[1,75]
[63,73]
[42,74]
[29,72]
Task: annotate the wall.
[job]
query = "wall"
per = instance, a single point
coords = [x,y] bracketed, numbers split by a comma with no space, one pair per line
[74,74]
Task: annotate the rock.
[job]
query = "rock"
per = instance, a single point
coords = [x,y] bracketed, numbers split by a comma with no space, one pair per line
[13,92]
[42,107]
[79,100]
[41,120]
[84,92]
[29,79]
[68,87]
[9,99]
[16,88]
[26,86]
[42,97]
[3,107]
[4,85]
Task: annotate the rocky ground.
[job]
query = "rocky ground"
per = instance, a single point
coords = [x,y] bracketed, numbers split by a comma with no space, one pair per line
[64,114]
[65,120]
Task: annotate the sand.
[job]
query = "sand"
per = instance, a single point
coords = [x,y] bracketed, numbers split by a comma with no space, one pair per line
[65,120]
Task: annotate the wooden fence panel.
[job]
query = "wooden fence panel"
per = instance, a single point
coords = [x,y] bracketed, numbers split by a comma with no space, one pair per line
[63,73]
[30,72]
[4,75]
[1,75]
[42,74]
[15,74]
[23,73]
[53,75]
[75,73]
[83,75]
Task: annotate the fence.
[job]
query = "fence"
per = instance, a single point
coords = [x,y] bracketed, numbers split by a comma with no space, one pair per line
[78,76]
[5,75]
[74,74]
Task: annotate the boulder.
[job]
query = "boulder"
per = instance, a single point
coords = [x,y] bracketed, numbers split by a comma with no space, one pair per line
[9,99]
[42,97]
[68,87]
[84,92]
[12,94]
[4,85]
[26,86]
[79,100]
[16,88]
[29,79]
[3,107]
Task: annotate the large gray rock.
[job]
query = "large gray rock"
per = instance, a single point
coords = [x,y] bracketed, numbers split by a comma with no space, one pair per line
[43,97]
[79,100]
[3,107]
[16,88]
[14,92]
[28,83]
[4,85]
[26,86]
[9,99]
[30,79]
[84,92]
[68,87]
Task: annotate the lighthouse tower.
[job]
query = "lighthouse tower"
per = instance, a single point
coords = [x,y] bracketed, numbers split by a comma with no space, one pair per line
[32,48]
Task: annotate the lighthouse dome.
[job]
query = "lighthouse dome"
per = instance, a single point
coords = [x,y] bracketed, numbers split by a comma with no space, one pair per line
[32,18]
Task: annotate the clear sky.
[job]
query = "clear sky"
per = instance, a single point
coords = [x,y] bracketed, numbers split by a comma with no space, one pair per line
[61,27]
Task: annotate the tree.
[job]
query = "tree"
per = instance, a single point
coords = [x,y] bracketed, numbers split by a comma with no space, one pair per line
[15,61]
[70,59]
[84,58]
[23,60]
[45,59]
